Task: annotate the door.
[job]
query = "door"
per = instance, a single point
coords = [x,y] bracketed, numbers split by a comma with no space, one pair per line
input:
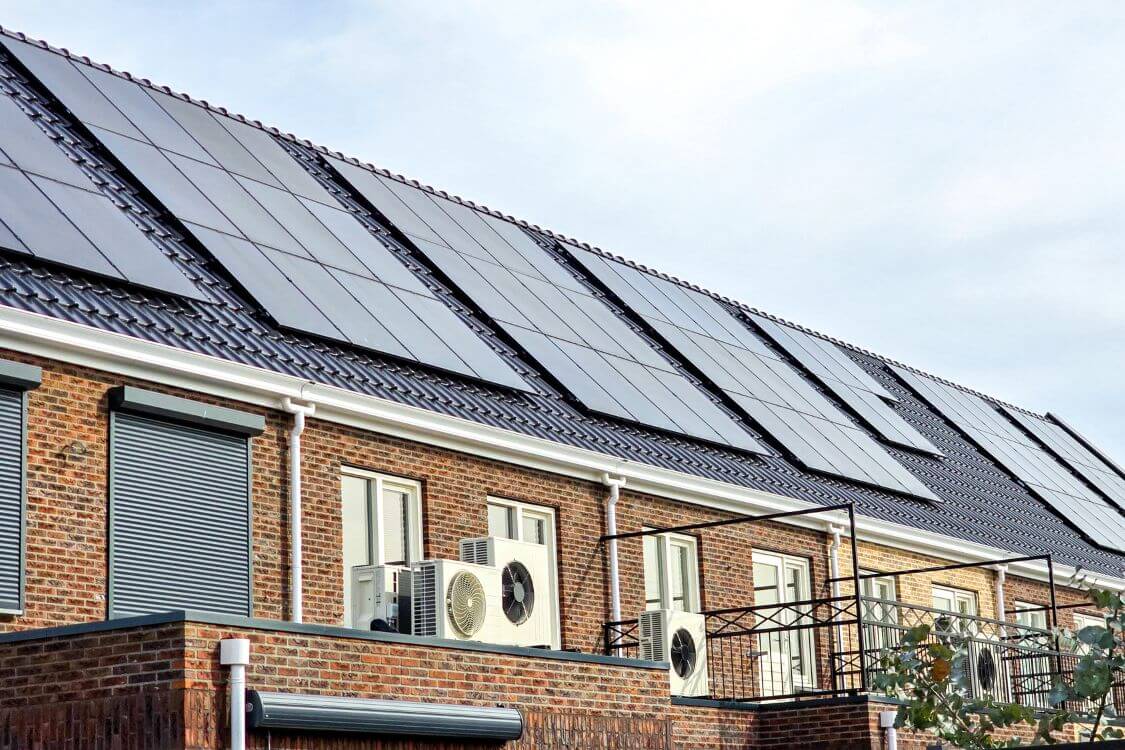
[786,658]
[1032,673]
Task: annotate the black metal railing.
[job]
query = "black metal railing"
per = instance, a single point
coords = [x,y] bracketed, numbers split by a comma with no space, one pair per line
[774,651]
[765,651]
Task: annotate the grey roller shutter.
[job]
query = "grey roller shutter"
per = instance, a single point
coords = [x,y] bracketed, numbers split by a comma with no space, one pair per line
[12,459]
[179,518]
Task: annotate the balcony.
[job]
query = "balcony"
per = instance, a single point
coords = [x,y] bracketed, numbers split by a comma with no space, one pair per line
[812,648]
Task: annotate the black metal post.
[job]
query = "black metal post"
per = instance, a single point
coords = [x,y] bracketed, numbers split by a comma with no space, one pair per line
[858,600]
[1051,583]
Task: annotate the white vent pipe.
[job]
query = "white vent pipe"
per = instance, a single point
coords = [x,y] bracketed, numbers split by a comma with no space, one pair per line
[615,484]
[299,412]
[890,733]
[235,653]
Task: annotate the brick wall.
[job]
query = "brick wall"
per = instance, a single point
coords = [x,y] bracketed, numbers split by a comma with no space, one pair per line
[66,567]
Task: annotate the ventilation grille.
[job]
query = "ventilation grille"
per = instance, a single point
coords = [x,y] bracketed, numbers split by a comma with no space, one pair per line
[653,636]
[474,551]
[424,600]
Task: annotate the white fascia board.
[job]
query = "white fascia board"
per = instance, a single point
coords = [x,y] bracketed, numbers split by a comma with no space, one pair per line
[77,344]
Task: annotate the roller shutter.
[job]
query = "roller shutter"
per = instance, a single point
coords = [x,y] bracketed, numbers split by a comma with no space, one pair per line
[11,499]
[180,517]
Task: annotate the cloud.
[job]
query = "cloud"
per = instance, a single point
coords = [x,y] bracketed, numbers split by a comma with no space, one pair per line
[939,182]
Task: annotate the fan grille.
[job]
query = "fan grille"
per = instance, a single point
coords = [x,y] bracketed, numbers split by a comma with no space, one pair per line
[683,653]
[467,606]
[518,592]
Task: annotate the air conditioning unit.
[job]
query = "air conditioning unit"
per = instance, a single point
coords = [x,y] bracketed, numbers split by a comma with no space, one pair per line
[528,598]
[989,673]
[452,599]
[679,638]
[381,598]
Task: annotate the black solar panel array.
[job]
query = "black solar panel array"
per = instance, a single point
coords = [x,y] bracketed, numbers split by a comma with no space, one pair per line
[1017,452]
[766,387]
[837,372]
[1074,453]
[280,234]
[986,506]
[549,312]
[51,209]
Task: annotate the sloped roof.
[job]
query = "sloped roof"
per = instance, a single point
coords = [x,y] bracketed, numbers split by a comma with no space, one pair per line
[982,503]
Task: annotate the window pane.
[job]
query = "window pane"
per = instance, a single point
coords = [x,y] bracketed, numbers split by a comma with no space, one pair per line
[765,583]
[356,550]
[681,566]
[500,521]
[653,572]
[395,526]
[534,528]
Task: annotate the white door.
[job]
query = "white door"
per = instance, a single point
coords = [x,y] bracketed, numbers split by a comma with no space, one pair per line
[786,658]
[1032,673]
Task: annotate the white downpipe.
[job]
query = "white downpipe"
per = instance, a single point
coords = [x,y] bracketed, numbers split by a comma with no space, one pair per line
[890,734]
[834,571]
[235,653]
[1001,609]
[615,484]
[296,598]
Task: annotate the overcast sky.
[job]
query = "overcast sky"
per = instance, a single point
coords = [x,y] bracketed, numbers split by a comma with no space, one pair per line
[943,183]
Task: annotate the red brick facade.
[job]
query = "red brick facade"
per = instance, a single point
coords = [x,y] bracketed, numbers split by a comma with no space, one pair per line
[161,686]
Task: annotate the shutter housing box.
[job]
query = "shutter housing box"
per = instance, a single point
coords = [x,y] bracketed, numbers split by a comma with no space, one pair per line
[179,505]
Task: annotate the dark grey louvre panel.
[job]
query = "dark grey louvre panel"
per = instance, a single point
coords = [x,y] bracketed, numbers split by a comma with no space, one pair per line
[11,499]
[1023,457]
[179,518]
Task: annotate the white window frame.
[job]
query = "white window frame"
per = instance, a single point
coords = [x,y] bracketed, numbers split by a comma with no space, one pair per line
[665,543]
[1031,610]
[517,509]
[956,595]
[413,488]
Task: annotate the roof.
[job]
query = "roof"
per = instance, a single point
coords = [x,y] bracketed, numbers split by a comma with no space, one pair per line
[981,502]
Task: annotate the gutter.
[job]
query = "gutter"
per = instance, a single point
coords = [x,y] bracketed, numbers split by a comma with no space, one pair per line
[64,341]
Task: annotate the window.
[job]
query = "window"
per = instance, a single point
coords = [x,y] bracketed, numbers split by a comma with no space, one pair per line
[525,522]
[671,568]
[512,519]
[382,522]
[955,601]
[15,379]
[1031,615]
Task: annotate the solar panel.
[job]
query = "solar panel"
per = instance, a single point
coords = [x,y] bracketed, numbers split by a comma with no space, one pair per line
[55,212]
[286,239]
[574,335]
[838,373]
[732,356]
[1023,457]
[1074,452]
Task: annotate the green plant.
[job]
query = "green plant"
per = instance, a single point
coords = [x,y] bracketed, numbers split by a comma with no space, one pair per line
[928,672]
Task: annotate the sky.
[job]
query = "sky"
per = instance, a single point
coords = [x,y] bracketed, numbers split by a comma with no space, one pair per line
[941,183]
